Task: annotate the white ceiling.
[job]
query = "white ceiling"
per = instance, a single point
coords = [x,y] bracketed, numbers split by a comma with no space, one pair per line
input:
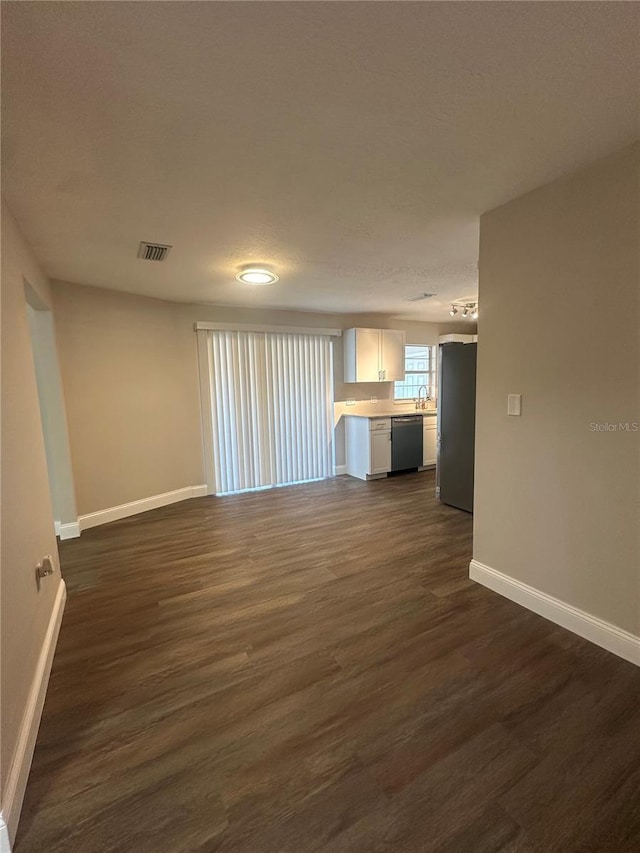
[352,145]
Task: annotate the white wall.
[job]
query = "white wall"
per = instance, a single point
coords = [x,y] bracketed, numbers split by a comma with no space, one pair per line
[28,612]
[129,372]
[557,504]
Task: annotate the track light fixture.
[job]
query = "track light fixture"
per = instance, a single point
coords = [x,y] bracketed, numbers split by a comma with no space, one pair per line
[469,310]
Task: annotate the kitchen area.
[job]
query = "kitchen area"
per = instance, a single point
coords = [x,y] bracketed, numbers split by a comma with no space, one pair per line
[416,427]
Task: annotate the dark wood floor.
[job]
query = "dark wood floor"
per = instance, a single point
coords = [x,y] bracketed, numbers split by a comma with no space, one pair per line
[310,669]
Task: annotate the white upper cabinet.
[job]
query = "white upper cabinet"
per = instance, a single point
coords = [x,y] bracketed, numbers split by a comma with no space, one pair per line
[373,355]
[362,356]
[392,354]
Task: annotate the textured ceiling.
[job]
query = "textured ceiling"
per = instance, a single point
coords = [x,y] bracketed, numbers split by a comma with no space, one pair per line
[351,145]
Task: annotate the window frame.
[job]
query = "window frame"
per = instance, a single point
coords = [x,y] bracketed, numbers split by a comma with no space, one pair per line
[432,374]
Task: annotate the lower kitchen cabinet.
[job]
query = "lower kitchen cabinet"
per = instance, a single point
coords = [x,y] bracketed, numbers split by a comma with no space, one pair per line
[379,452]
[368,446]
[429,440]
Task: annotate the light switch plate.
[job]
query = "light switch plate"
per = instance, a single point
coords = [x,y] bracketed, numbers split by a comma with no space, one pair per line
[514,404]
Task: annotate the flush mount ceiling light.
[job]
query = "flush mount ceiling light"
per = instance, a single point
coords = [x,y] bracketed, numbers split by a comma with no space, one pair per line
[469,310]
[257,274]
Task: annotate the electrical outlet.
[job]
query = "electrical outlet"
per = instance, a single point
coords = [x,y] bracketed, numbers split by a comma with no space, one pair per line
[349,402]
[373,399]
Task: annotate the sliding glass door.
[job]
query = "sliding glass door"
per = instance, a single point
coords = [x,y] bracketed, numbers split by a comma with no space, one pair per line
[271,408]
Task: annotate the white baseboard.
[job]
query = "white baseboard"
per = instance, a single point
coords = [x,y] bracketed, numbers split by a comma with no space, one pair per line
[339,469]
[5,844]
[68,530]
[604,634]
[115,513]
[13,794]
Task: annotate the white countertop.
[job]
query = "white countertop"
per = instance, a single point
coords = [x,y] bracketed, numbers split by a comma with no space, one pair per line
[396,414]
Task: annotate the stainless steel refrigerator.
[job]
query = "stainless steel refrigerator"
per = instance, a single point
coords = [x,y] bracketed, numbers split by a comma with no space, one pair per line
[456,424]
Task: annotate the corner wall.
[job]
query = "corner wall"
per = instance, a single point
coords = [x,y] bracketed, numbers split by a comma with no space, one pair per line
[557,496]
[29,614]
[52,412]
[129,372]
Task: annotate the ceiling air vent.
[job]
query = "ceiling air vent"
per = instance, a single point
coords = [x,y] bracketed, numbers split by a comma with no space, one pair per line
[419,297]
[153,252]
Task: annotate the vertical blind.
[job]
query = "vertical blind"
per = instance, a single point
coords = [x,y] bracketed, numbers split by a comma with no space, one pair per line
[272,401]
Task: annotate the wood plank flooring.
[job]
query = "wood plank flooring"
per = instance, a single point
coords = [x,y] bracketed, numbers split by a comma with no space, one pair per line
[310,669]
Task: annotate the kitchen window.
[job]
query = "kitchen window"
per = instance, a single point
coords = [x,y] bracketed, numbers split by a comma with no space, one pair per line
[420,369]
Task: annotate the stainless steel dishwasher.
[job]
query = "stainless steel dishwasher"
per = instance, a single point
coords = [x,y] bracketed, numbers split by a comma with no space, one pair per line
[406,442]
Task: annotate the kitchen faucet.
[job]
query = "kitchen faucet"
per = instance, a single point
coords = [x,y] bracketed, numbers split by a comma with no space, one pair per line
[420,402]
